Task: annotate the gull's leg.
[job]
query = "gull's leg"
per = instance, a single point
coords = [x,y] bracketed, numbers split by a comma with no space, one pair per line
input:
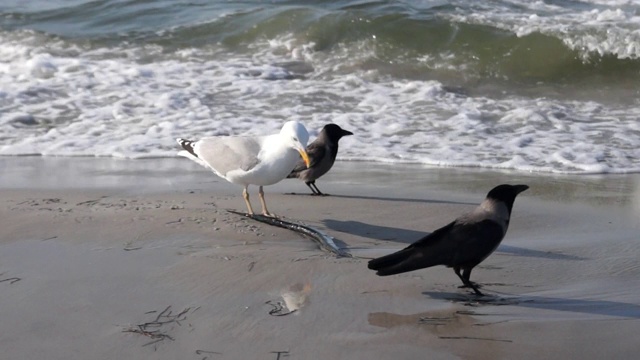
[245,195]
[265,212]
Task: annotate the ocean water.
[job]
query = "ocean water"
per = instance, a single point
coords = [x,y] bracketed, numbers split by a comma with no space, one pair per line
[544,86]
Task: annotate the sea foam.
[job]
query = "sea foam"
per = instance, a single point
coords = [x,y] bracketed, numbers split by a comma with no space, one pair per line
[585,29]
[61,98]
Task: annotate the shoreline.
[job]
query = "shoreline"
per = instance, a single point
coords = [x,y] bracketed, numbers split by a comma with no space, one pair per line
[162,174]
[99,244]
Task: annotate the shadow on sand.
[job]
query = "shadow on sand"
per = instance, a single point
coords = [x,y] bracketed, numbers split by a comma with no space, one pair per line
[407,236]
[379,198]
[377,232]
[592,307]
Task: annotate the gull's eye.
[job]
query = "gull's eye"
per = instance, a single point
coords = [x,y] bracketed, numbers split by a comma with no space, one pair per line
[294,138]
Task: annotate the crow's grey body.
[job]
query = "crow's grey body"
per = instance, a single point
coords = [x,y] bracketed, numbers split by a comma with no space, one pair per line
[322,154]
[462,244]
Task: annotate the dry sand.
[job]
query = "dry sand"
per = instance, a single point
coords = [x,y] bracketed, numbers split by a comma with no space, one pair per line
[114,259]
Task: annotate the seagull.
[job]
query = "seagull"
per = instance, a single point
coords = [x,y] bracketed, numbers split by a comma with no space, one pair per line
[462,244]
[322,153]
[251,160]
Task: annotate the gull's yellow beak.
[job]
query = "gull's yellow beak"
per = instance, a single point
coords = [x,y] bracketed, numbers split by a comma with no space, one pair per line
[305,157]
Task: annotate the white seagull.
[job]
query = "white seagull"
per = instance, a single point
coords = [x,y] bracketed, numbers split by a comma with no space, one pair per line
[251,160]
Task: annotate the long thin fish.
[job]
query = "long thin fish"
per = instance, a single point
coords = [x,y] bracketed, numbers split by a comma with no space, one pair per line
[325,241]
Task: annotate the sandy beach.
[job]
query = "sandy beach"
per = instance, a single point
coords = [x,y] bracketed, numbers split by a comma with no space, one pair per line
[139,259]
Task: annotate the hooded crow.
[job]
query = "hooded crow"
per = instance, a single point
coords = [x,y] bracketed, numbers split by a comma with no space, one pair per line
[322,153]
[462,244]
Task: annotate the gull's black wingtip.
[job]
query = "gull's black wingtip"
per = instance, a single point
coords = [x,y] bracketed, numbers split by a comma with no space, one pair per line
[187,145]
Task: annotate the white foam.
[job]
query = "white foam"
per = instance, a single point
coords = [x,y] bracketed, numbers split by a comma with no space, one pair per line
[60,101]
[606,27]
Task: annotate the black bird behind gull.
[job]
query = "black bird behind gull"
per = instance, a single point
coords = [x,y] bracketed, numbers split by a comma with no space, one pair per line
[322,154]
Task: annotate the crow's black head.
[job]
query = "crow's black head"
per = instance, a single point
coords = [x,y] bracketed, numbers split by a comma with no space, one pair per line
[335,132]
[506,193]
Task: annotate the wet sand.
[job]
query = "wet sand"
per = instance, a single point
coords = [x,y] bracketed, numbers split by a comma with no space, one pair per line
[107,259]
